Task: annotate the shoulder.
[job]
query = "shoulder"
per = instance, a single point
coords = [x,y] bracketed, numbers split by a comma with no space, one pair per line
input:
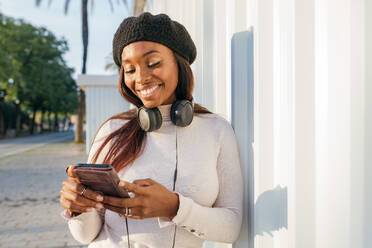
[107,127]
[214,123]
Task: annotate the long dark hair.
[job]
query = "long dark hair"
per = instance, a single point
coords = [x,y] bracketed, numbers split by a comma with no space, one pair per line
[128,140]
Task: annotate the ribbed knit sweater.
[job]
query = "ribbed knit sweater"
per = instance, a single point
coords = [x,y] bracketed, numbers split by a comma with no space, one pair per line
[209,186]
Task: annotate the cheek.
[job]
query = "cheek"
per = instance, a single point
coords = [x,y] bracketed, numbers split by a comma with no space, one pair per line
[172,80]
[130,85]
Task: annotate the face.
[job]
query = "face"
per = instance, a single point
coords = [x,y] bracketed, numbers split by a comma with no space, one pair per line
[150,72]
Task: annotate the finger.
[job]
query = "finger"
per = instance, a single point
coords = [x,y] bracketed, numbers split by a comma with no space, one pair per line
[78,188]
[131,187]
[69,205]
[135,212]
[121,202]
[79,200]
[143,182]
[70,171]
[93,195]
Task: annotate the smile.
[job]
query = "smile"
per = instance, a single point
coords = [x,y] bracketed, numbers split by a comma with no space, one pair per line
[149,91]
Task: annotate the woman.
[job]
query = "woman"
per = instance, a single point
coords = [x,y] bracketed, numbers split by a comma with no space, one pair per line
[179,160]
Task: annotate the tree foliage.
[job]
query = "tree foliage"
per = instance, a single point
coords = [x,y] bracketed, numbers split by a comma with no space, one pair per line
[32,68]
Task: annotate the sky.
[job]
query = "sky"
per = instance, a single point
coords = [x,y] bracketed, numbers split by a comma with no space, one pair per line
[102,26]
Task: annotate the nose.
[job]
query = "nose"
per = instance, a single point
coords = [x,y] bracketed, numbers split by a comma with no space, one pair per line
[143,75]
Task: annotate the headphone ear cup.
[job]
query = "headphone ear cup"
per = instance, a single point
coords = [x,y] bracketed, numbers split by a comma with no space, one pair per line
[182,113]
[149,119]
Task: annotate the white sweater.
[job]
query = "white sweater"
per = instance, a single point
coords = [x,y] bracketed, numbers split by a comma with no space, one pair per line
[209,185]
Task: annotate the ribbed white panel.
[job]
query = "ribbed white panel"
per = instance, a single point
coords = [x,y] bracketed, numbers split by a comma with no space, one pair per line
[263,123]
[102,103]
[357,126]
[367,107]
[301,217]
[103,100]
[333,133]
[242,118]
[312,111]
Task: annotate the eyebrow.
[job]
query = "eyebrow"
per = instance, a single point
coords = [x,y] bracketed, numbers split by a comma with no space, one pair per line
[144,55]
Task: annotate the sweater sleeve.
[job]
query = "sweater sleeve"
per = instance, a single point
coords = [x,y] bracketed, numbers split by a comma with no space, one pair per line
[222,221]
[86,226]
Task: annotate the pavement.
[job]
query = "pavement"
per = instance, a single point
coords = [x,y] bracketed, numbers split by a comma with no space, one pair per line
[22,144]
[31,175]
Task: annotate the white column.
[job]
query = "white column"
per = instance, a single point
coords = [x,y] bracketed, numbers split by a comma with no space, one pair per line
[357,127]
[333,134]
[367,216]
[263,122]
[219,58]
[303,221]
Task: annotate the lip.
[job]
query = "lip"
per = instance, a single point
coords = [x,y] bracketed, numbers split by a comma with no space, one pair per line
[148,86]
[152,94]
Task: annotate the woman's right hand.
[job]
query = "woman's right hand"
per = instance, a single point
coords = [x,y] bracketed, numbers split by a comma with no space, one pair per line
[72,199]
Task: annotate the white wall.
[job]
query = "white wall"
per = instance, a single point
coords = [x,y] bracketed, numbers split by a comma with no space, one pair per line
[312,111]
[367,141]
[309,119]
[103,100]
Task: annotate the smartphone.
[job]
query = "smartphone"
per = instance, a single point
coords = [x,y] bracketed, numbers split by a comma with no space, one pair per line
[101,178]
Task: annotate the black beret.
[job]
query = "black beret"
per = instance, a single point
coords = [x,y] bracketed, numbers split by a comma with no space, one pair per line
[157,28]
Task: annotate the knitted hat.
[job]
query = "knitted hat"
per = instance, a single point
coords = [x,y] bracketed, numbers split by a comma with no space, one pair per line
[157,28]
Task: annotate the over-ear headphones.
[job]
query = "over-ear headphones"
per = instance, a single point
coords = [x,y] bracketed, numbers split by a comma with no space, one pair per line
[181,113]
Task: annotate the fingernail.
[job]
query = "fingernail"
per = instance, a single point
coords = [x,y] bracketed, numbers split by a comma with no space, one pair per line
[99,198]
[99,206]
[122,184]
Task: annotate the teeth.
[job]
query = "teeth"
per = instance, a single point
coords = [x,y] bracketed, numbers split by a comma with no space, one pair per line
[148,91]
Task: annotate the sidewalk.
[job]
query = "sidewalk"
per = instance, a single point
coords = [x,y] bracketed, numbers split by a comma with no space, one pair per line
[29,193]
[21,144]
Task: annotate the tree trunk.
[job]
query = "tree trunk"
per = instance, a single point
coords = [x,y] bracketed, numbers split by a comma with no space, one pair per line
[42,121]
[55,126]
[64,122]
[80,119]
[50,127]
[79,126]
[2,131]
[18,119]
[139,6]
[33,121]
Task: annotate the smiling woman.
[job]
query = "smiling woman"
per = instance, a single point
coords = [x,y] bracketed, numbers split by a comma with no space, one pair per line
[180,161]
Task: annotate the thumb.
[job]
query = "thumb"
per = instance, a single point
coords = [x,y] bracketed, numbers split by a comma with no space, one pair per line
[70,171]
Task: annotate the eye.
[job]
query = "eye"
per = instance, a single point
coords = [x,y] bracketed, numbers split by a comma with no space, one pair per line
[153,64]
[129,71]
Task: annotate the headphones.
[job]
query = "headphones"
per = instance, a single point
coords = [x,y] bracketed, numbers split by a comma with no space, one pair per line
[181,113]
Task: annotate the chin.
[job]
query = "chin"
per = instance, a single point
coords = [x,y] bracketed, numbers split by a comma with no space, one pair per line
[151,104]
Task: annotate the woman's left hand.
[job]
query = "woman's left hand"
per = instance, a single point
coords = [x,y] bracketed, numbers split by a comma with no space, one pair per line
[151,200]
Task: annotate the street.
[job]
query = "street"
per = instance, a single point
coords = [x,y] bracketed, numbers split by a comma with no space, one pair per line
[30,181]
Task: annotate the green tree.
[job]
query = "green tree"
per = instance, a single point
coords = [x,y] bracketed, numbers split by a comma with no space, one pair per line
[34,67]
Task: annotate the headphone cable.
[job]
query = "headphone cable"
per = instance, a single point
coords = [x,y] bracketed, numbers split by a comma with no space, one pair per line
[174,187]
[126,224]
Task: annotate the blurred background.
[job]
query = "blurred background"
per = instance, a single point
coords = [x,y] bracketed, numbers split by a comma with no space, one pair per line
[292,76]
